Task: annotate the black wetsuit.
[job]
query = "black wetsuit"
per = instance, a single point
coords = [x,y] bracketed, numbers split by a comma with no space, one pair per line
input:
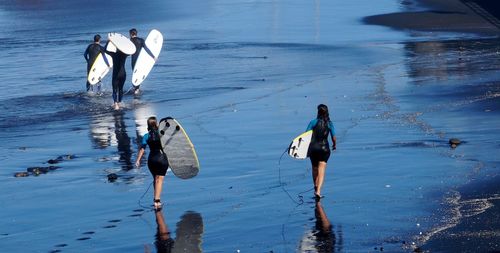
[90,55]
[119,74]
[139,44]
[157,160]
[319,149]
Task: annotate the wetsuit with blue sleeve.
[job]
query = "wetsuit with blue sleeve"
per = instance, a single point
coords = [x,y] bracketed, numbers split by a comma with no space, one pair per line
[319,149]
[157,159]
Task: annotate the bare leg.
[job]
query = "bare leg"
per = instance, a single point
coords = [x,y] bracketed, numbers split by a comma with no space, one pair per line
[158,185]
[314,172]
[320,177]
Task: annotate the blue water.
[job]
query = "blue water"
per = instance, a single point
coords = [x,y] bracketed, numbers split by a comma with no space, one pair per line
[243,78]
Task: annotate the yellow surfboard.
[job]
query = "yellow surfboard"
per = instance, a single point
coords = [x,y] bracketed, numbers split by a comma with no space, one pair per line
[100,68]
[182,158]
[300,145]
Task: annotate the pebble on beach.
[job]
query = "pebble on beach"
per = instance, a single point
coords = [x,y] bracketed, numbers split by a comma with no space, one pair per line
[61,158]
[112,177]
[454,142]
[21,174]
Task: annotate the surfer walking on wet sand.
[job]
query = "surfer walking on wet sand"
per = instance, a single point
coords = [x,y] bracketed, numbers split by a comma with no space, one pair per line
[319,148]
[119,75]
[139,44]
[90,56]
[157,159]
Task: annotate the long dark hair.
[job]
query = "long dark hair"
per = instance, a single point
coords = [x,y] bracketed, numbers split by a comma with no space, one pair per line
[323,113]
[153,129]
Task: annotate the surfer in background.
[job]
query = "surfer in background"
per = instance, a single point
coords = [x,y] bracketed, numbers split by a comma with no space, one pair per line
[157,159]
[90,56]
[319,149]
[139,44]
[119,75]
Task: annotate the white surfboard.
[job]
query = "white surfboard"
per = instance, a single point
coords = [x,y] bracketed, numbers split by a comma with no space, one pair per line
[145,62]
[122,43]
[99,68]
[182,158]
[300,145]
[111,47]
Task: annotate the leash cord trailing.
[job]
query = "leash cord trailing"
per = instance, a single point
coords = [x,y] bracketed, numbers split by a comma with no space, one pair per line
[144,194]
[282,185]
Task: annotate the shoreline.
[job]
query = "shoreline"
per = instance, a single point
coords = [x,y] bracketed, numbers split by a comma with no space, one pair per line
[472,220]
[458,16]
[477,207]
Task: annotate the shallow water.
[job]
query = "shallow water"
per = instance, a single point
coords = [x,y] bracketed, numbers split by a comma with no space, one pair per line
[243,78]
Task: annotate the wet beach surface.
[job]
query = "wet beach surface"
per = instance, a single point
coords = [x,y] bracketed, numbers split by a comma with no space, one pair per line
[244,79]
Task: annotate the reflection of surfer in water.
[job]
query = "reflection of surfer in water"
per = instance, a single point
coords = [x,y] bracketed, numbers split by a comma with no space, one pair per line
[119,75]
[124,147]
[188,232]
[163,241]
[110,130]
[90,56]
[319,150]
[157,159]
[322,238]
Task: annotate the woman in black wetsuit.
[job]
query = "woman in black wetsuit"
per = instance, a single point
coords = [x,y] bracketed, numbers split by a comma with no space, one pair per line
[319,149]
[157,159]
[119,75]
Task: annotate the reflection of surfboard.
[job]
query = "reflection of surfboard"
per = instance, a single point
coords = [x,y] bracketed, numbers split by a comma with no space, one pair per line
[122,43]
[99,68]
[182,157]
[145,62]
[188,233]
[300,145]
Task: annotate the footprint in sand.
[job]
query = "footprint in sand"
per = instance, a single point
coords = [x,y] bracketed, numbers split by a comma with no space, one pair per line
[62,245]
[137,213]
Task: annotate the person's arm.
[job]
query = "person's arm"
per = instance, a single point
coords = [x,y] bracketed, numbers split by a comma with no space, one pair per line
[107,51]
[103,52]
[86,54]
[332,133]
[141,150]
[143,44]
[139,157]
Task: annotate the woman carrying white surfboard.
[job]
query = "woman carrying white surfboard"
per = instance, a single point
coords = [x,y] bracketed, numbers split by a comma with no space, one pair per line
[319,148]
[157,159]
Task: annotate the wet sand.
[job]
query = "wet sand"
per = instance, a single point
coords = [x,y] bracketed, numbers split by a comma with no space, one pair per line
[471,210]
[444,16]
[244,78]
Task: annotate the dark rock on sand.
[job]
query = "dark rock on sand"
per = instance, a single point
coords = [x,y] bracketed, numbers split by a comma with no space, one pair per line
[37,170]
[454,142]
[61,158]
[41,170]
[21,174]
[112,177]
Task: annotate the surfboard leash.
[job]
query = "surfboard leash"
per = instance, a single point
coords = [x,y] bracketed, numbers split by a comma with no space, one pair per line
[144,194]
[282,185]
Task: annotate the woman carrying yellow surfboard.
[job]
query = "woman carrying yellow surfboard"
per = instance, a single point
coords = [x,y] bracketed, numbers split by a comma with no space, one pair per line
[319,148]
